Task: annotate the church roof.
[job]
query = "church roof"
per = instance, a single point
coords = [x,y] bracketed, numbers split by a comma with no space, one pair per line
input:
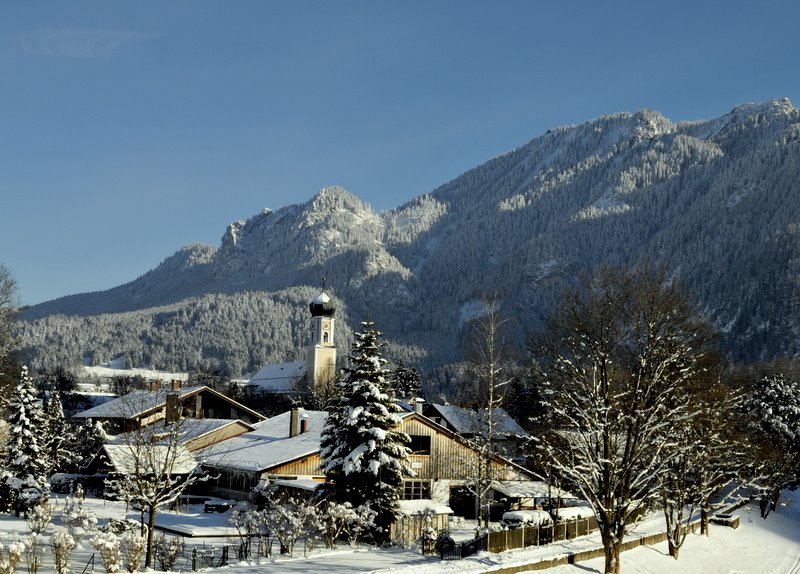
[322,306]
[279,377]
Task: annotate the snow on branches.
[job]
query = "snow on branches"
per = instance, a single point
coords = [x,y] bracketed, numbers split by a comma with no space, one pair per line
[362,452]
[618,364]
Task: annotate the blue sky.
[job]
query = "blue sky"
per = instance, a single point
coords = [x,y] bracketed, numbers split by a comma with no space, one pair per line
[130,129]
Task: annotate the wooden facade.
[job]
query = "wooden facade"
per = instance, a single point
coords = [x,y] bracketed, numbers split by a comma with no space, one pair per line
[307,466]
[444,467]
[215,436]
[449,458]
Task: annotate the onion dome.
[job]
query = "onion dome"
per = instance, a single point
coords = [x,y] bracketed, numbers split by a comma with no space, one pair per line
[322,306]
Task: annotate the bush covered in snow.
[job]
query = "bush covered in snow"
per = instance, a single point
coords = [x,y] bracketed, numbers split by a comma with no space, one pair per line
[108,546]
[10,559]
[132,547]
[62,544]
[167,549]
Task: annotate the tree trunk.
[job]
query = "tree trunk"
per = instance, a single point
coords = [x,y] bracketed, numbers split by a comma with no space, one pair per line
[704,521]
[674,540]
[673,548]
[151,523]
[773,499]
[612,551]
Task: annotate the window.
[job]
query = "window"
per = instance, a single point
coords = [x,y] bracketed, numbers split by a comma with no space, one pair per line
[416,489]
[420,444]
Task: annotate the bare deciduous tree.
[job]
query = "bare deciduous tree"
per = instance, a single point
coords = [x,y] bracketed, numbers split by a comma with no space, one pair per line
[620,354]
[152,466]
[8,310]
[488,359]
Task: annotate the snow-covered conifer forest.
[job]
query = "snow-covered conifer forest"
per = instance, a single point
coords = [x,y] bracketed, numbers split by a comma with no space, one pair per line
[715,200]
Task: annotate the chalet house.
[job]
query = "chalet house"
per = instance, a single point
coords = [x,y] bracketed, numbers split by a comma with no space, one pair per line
[121,459]
[285,451]
[509,436]
[143,408]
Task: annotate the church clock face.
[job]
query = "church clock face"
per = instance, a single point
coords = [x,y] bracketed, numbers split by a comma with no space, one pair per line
[325,325]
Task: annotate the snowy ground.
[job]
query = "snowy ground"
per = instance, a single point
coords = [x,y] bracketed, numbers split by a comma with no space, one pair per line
[770,546]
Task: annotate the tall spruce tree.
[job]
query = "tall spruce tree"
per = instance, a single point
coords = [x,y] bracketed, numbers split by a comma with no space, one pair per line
[363,454]
[57,457]
[406,381]
[25,474]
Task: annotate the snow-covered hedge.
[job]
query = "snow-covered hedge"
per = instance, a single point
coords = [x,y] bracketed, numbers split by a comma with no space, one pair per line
[574,513]
[518,518]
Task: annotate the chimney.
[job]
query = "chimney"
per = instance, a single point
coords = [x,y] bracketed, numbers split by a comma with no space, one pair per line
[303,423]
[173,409]
[294,416]
[418,405]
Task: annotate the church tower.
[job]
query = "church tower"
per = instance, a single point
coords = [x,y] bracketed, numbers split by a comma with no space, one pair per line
[321,354]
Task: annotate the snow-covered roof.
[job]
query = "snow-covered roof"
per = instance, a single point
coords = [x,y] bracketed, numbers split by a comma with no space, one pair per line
[279,377]
[573,512]
[300,483]
[140,402]
[191,429]
[188,429]
[134,403]
[269,444]
[468,421]
[123,458]
[412,507]
[528,489]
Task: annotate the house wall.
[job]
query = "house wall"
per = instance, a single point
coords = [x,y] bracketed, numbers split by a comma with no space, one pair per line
[227,483]
[308,466]
[449,459]
[215,437]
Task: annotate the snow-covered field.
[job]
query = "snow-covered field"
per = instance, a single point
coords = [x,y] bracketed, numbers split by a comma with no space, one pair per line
[758,546]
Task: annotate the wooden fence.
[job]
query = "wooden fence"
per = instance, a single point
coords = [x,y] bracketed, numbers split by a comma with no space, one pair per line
[520,538]
[540,535]
[587,554]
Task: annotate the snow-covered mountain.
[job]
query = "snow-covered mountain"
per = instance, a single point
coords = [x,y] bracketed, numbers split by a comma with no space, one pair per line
[717,200]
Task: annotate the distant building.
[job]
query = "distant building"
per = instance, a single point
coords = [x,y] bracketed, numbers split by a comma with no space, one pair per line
[142,408]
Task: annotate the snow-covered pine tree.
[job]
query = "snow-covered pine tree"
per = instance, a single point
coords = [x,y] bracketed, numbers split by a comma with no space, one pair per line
[772,408]
[406,381]
[83,438]
[25,473]
[56,456]
[363,454]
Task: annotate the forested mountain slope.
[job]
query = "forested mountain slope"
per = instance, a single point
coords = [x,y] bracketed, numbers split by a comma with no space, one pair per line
[717,200]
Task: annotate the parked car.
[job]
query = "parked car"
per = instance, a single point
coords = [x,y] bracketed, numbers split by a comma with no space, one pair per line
[520,518]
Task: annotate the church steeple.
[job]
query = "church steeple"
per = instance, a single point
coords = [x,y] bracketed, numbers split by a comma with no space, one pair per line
[321,354]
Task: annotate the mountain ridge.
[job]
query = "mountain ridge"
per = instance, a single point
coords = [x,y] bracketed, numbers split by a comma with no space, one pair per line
[716,199]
